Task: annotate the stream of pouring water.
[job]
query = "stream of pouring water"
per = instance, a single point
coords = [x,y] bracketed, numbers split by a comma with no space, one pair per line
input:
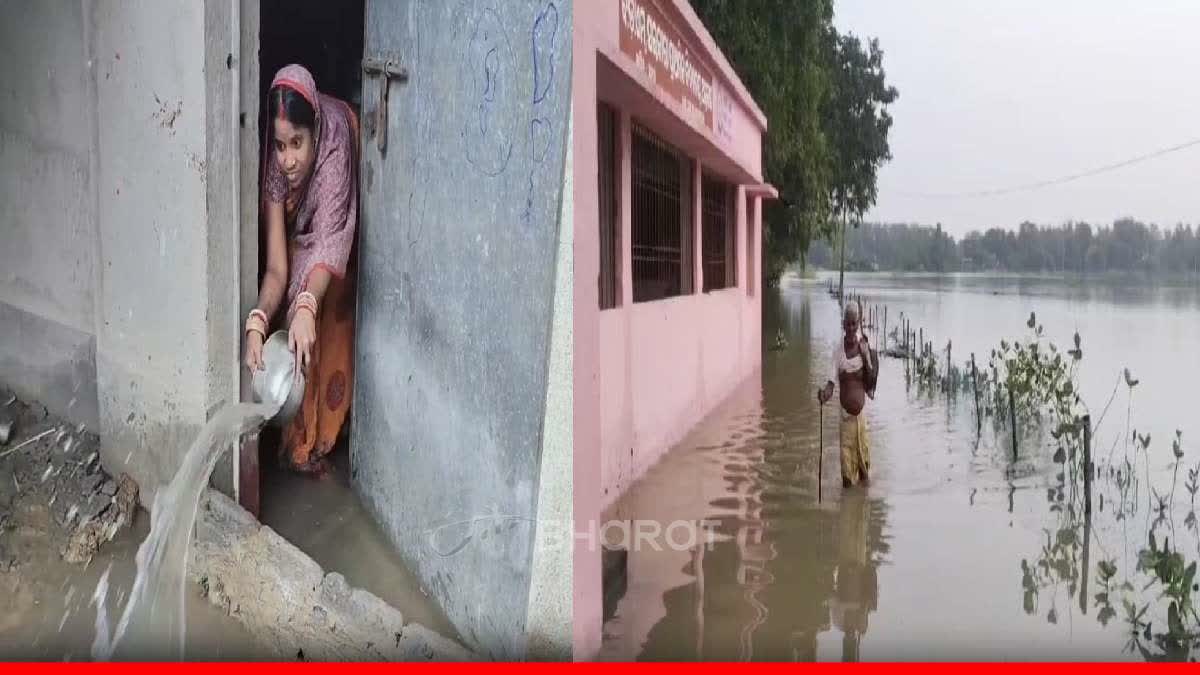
[152,622]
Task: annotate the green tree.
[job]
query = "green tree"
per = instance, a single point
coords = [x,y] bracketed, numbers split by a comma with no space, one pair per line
[857,123]
[823,95]
[774,45]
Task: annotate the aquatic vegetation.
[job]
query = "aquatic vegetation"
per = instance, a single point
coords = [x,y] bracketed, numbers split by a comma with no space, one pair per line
[1033,381]
[1177,451]
[1033,384]
[1193,484]
[1175,580]
[1058,563]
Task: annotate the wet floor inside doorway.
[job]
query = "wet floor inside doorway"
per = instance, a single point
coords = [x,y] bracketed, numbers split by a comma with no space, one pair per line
[327,520]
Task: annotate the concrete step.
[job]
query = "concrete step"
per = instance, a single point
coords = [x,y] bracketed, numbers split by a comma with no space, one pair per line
[285,599]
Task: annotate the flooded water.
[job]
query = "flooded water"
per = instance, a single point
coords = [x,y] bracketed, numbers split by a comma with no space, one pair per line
[327,520]
[152,623]
[955,550]
[49,616]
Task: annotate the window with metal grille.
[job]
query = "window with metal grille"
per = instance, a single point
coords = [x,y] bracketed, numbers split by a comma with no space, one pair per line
[610,229]
[718,233]
[661,227]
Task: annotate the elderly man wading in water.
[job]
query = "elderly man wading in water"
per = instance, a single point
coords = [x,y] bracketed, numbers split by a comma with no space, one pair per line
[856,374]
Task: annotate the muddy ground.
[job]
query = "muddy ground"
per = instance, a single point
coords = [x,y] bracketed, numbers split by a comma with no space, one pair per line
[63,521]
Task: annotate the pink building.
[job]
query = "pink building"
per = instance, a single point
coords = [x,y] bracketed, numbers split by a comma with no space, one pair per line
[668,197]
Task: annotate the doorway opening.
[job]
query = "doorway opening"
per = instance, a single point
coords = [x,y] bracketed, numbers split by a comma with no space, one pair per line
[324,517]
[327,39]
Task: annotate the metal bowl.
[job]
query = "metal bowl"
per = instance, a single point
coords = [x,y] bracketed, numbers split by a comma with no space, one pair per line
[278,382]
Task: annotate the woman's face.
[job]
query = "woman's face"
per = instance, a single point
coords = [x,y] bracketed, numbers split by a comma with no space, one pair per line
[294,151]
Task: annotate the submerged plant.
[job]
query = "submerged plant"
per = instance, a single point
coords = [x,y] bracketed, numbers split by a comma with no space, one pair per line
[1106,572]
[1176,579]
[1162,506]
[1177,451]
[1130,383]
[1143,442]
[1040,381]
[1056,563]
[1193,483]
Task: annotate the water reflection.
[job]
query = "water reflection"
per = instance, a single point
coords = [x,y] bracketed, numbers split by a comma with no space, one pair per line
[759,595]
[782,569]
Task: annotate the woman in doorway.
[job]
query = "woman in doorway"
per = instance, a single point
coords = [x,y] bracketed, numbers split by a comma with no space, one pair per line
[310,212]
[855,372]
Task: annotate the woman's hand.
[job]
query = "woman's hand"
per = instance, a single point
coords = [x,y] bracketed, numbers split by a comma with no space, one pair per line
[301,336]
[254,349]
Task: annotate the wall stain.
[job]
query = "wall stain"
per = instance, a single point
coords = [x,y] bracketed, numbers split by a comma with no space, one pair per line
[167,114]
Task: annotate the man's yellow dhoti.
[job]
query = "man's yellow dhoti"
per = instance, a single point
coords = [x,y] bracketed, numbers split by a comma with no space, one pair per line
[856,454]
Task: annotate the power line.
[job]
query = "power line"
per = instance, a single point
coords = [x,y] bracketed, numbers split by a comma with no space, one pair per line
[1025,187]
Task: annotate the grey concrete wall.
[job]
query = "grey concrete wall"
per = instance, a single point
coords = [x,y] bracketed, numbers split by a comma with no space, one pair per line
[47,235]
[119,258]
[151,146]
[458,257]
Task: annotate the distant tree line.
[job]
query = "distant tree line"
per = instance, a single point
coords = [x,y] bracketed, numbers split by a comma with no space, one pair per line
[1127,245]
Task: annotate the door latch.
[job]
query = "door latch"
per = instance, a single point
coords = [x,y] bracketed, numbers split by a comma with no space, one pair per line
[386,70]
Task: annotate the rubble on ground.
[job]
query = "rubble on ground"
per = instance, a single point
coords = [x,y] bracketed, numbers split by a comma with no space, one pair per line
[119,500]
[52,465]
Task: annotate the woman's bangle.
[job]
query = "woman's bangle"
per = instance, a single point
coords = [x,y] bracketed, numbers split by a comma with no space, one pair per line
[257,329]
[260,314]
[256,323]
[306,300]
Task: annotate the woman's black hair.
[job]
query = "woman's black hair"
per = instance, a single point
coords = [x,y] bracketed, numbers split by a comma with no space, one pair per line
[295,107]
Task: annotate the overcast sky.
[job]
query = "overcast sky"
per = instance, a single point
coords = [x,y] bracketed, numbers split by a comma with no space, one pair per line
[995,94]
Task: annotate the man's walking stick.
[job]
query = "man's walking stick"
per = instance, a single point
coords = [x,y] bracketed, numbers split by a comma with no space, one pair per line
[820,446]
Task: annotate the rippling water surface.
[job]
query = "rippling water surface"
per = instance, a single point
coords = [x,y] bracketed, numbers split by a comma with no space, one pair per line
[926,562]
